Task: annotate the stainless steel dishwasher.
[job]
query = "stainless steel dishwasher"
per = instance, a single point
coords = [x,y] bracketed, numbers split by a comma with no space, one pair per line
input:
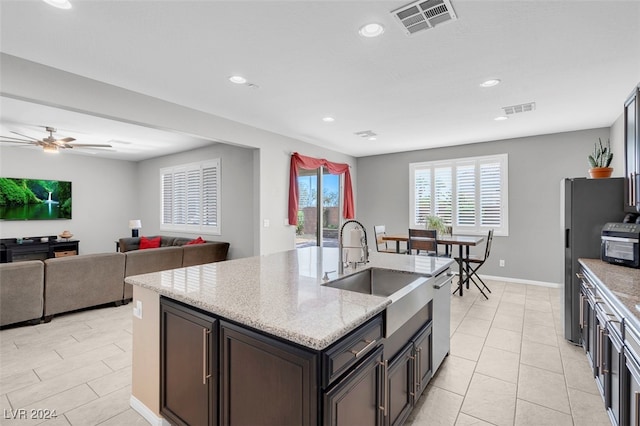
[441,317]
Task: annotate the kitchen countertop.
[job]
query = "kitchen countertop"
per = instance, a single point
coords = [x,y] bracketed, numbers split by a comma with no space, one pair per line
[282,293]
[622,282]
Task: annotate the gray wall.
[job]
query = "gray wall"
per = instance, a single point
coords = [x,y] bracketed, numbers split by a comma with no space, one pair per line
[104,196]
[237,202]
[532,251]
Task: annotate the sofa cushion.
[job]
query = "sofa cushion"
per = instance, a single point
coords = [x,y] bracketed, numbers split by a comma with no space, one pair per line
[208,252]
[198,240]
[145,261]
[21,291]
[75,282]
[147,243]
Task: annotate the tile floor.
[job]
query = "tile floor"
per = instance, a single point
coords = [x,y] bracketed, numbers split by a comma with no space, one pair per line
[509,365]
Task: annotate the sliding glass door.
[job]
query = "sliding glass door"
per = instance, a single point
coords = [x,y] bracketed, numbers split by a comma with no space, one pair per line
[318,209]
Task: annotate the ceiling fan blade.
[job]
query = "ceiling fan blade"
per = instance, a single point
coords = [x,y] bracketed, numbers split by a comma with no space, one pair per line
[20,142]
[66,140]
[25,136]
[88,145]
[18,139]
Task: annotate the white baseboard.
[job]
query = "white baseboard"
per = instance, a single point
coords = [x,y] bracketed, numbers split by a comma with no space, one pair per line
[521,281]
[145,412]
[518,281]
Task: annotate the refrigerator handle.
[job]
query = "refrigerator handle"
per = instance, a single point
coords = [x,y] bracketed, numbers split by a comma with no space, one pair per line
[566,238]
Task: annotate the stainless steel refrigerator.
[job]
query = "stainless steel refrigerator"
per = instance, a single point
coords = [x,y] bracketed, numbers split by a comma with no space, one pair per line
[587,204]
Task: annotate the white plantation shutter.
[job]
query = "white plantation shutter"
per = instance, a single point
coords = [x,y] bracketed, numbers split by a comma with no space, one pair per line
[490,195]
[422,187]
[191,197]
[180,198]
[210,195]
[443,193]
[468,193]
[167,198]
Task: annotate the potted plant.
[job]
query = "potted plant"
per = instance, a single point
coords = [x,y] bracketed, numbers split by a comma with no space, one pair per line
[434,222]
[600,160]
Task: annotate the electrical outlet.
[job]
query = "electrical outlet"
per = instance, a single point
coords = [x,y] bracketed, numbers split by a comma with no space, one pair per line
[266,223]
[137,310]
[502,263]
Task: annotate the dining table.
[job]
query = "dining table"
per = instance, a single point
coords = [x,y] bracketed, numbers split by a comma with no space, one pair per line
[462,241]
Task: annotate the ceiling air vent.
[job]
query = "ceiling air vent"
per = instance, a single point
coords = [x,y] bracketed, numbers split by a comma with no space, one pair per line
[366,134]
[516,109]
[424,14]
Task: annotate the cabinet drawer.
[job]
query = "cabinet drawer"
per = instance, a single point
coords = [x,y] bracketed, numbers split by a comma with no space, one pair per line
[65,253]
[341,356]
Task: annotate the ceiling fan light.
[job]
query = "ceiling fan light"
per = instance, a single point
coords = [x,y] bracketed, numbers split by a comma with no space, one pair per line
[51,149]
[60,4]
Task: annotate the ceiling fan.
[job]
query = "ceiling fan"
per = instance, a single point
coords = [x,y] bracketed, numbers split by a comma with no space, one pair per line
[50,144]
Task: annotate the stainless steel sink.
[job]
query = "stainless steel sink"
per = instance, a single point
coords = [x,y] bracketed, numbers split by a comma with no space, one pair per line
[408,292]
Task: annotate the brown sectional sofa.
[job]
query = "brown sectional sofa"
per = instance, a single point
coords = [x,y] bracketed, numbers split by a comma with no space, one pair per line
[21,291]
[33,290]
[172,253]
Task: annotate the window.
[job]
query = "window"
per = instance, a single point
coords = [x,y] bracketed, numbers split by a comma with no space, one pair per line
[469,194]
[190,196]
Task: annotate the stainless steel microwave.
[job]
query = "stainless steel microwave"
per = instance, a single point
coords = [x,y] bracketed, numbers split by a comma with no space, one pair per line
[621,244]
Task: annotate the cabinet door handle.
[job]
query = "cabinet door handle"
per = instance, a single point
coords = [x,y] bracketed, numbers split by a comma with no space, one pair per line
[581,311]
[385,386]
[630,190]
[633,189]
[637,395]
[370,344]
[417,371]
[601,349]
[205,352]
[413,358]
[419,375]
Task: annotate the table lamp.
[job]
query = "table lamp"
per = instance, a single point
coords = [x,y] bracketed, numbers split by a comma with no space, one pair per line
[134,225]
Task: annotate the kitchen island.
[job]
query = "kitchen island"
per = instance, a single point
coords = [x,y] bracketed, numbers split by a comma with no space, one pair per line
[275,322]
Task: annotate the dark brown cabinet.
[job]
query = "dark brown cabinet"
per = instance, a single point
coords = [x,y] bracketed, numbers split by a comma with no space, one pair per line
[216,372]
[188,363]
[358,398]
[632,150]
[602,331]
[265,381]
[401,386]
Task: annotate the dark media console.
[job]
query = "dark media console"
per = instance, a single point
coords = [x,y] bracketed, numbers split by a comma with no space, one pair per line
[33,248]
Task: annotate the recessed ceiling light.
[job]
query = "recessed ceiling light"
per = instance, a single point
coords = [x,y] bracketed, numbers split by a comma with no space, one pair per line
[501,118]
[328,119]
[237,79]
[60,4]
[490,83]
[371,30]
[372,138]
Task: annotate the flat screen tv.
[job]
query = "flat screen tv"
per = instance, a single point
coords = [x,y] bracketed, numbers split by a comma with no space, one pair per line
[34,199]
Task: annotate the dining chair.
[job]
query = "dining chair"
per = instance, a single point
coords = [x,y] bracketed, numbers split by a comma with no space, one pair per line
[478,261]
[381,245]
[422,239]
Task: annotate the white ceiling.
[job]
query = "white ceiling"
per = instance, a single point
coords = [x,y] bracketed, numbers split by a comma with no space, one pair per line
[577,60]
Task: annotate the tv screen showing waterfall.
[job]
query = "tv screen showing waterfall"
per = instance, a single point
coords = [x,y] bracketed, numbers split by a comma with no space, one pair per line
[34,199]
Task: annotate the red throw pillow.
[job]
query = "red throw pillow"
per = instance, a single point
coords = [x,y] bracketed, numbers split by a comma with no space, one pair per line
[146,243]
[198,240]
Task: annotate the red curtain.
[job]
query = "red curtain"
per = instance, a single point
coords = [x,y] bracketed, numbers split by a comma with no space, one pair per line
[310,163]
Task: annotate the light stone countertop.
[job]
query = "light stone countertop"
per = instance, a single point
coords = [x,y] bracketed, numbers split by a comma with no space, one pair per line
[622,282]
[282,293]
